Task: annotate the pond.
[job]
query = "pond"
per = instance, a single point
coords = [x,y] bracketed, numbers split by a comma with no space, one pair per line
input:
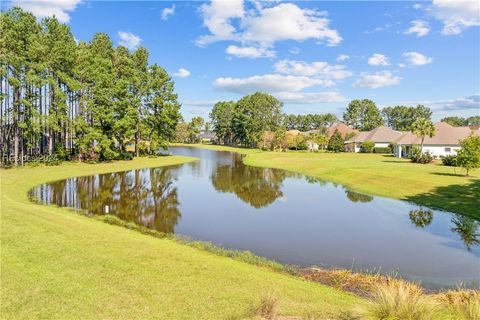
[283,216]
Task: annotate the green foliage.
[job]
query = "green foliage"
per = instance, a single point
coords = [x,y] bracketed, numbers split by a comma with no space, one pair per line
[309,121]
[417,156]
[336,142]
[421,217]
[402,117]
[255,114]
[384,150]
[461,121]
[423,127]
[221,117]
[450,160]
[367,147]
[468,156]
[90,96]
[363,115]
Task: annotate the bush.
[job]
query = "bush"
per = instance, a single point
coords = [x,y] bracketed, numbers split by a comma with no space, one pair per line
[400,300]
[418,157]
[450,161]
[367,147]
[386,150]
[125,156]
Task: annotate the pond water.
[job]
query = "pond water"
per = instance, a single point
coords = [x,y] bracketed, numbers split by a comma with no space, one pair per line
[283,216]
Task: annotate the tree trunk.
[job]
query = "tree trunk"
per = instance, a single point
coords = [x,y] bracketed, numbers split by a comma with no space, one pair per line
[421,145]
[16,98]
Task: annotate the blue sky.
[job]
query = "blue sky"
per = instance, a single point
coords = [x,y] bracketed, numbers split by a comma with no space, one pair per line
[315,56]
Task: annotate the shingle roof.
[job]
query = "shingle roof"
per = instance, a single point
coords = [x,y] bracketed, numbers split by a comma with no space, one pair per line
[445,134]
[380,134]
[341,127]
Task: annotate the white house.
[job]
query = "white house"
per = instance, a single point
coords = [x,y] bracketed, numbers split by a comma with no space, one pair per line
[381,136]
[446,141]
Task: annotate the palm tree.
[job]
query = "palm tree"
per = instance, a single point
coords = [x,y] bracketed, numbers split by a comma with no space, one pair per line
[423,127]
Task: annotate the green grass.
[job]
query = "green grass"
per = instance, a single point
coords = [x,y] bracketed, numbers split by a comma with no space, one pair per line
[59,265]
[432,185]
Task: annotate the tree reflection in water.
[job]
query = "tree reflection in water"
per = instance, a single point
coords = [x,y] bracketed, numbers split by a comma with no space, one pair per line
[467,228]
[358,197]
[147,197]
[258,187]
[421,217]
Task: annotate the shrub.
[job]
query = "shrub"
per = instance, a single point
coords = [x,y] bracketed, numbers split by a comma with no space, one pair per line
[386,150]
[367,147]
[400,300]
[125,156]
[450,160]
[336,142]
[463,304]
[418,157]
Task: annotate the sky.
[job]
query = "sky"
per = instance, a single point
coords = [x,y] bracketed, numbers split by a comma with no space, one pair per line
[314,56]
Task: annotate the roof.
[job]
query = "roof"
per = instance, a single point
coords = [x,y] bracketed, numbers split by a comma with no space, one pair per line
[206,135]
[342,128]
[445,134]
[380,134]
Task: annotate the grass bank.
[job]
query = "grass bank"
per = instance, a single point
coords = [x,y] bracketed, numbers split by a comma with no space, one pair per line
[60,265]
[432,185]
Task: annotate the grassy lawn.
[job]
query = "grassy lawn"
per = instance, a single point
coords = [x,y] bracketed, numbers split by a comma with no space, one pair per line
[433,185]
[59,265]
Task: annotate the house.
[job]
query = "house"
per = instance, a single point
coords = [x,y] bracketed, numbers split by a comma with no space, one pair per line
[446,141]
[343,129]
[381,136]
[207,136]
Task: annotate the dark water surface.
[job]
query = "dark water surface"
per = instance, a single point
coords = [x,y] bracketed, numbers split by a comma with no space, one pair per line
[283,216]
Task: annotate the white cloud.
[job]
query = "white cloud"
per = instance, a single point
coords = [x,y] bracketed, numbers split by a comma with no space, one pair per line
[377,80]
[418,27]
[456,15]
[262,27]
[250,52]
[269,83]
[167,12]
[287,21]
[182,73]
[129,40]
[343,57]
[463,103]
[417,6]
[319,69]
[310,97]
[217,17]
[416,59]
[49,8]
[378,60]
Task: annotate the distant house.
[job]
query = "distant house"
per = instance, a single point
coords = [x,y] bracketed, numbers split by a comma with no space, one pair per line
[207,137]
[381,136]
[342,128]
[446,141]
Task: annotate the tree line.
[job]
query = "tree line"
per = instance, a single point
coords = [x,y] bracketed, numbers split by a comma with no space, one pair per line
[85,100]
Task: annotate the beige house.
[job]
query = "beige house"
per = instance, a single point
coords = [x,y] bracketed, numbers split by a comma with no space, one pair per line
[446,141]
[381,136]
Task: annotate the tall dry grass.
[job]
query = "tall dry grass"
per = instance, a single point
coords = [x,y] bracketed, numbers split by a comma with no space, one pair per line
[399,301]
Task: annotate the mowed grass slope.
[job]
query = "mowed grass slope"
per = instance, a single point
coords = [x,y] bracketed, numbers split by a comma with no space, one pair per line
[56,264]
[433,185]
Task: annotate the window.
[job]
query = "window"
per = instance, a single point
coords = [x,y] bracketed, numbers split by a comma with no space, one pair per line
[448,149]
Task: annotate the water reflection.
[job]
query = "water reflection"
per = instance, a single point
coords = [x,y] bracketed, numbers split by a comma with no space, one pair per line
[421,217]
[467,228]
[147,197]
[358,197]
[255,186]
[321,223]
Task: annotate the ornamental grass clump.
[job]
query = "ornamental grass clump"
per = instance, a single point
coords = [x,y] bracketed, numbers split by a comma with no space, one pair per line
[399,301]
